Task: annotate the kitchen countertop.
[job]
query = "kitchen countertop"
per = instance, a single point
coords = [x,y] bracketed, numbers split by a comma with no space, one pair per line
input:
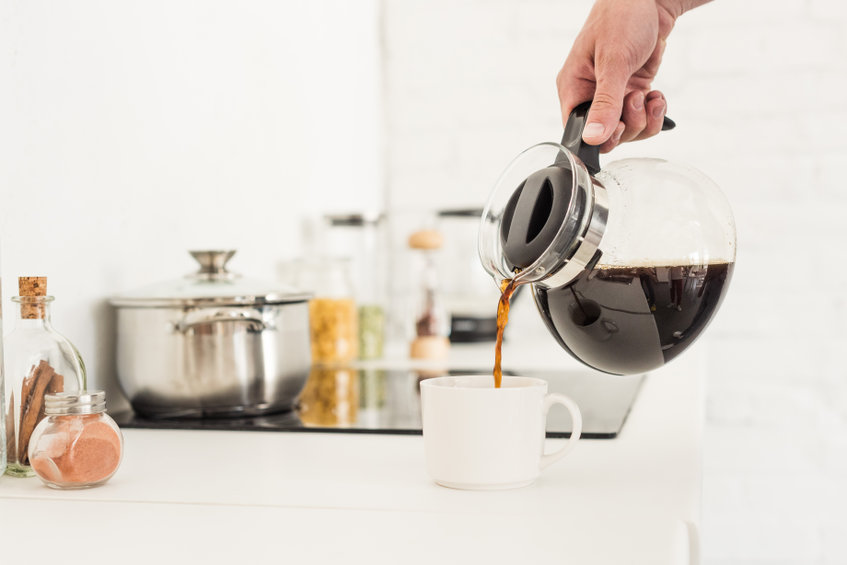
[221,496]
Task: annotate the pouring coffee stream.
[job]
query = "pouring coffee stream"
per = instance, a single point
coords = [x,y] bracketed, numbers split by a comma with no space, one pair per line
[507,289]
[628,263]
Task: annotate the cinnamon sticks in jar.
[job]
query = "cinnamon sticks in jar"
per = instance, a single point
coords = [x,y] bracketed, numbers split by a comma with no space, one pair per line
[42,379]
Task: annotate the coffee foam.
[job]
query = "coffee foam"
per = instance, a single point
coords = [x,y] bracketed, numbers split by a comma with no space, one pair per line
[661,264]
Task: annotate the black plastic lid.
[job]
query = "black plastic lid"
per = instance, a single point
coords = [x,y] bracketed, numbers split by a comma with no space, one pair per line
[535,213]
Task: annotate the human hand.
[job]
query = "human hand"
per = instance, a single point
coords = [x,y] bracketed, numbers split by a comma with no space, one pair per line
[613,62]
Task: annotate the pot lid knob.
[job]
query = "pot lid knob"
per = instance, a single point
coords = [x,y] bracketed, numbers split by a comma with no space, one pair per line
[212,263]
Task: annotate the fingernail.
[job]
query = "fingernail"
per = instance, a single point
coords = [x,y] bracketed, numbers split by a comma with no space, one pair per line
[638,101]
[659,110]
[593,130]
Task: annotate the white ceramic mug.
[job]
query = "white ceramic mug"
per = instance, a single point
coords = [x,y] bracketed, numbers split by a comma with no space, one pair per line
[480,437]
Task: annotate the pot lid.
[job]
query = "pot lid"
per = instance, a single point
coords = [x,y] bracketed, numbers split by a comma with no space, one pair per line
[212,284]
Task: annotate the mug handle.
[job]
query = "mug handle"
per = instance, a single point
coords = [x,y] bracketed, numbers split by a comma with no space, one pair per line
[550,399]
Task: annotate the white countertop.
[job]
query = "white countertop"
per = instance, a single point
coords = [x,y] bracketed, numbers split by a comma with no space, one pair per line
[326,497]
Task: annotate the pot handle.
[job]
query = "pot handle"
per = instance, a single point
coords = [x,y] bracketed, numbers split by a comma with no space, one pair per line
[212,315]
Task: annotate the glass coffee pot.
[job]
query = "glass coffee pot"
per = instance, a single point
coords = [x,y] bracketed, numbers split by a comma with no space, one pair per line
[628,263]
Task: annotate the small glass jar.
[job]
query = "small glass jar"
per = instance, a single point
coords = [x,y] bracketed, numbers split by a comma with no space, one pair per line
[360,237]
[77,445]
[333,317]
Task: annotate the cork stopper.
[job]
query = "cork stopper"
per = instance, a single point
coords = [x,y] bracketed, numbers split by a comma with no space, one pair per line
[426,239]
[29,288]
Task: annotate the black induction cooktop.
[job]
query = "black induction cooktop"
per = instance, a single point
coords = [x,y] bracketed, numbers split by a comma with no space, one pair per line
[381,401]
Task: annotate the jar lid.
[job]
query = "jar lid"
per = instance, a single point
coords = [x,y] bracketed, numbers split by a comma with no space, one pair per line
[472,213]
[212,285]
[356,219]
[80,402]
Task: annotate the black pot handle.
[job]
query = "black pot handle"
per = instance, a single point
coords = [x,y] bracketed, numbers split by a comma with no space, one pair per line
[589,154]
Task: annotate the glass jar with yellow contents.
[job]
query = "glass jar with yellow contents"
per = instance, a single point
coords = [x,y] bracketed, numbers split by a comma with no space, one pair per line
[333,317]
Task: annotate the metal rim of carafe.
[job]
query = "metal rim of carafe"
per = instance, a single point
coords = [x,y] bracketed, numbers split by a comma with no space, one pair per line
[588,242]
[557,267]
[489,246]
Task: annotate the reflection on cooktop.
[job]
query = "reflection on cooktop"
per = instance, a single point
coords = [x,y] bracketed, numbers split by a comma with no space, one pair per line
[388,402]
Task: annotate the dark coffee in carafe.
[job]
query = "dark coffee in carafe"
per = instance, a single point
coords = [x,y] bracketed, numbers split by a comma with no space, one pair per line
[625,320]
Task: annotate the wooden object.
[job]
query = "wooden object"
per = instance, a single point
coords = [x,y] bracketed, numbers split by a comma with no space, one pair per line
[426,239]
[41,380]
[29,288]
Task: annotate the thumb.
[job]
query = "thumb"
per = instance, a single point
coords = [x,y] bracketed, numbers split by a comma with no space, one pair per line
[605,113]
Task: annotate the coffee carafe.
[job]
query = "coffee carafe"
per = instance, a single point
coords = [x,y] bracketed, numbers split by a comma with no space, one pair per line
[628,263]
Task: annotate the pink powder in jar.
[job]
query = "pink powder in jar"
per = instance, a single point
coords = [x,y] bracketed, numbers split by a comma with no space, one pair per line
[72,450]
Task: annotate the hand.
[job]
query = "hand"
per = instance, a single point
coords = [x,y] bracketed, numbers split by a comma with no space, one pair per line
[613,62]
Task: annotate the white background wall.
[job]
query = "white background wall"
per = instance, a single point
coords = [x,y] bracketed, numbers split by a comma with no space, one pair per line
[758,89]
[134,131]
[130,132]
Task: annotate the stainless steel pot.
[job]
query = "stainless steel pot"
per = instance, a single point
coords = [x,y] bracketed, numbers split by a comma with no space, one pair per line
[212,344]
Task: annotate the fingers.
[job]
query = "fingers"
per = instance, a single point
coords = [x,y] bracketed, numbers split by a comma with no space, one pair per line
[607,106]
[642,117]
[634,115]
[614,140]
[655,107]
[615,116]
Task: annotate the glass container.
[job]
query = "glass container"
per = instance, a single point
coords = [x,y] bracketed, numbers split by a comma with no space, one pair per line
[38,361]
[2,393]
[628,263]
[76,445]
[333,317]
[431,318]
[359,237]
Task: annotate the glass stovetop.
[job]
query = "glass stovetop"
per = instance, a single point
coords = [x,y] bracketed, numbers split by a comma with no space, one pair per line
[388,402]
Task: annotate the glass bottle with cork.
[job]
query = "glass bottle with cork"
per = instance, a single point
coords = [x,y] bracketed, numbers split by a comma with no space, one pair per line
[2,393]
[39,361]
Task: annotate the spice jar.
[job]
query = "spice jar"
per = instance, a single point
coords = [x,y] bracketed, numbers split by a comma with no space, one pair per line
[39,361]
[76,445]
[333,319]
[432,322]
[360,238]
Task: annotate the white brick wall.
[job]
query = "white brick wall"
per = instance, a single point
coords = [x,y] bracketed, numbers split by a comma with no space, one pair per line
[758,88]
